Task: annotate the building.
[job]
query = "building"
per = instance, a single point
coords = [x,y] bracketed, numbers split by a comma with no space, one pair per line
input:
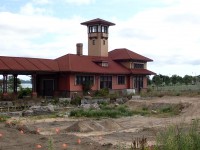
[119,69]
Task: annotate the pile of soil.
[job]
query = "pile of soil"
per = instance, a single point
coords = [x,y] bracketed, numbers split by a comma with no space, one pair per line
[85,126]
[91,126]
[110,125]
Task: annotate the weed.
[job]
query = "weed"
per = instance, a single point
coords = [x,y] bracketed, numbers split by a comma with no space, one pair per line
[50,143]
[177,138]
[4,118]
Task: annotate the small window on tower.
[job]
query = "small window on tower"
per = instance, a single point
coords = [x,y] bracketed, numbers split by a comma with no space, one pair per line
[93,42]
[104,42]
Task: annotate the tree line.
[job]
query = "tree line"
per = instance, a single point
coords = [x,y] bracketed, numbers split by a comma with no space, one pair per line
[162,80]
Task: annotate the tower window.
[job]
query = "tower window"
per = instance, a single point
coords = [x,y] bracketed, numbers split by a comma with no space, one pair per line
[93,42]
[104,29]
[104,42]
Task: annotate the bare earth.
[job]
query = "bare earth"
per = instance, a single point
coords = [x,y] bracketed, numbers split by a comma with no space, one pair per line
[89,134]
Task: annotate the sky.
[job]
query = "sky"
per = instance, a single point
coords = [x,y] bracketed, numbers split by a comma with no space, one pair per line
[166,31]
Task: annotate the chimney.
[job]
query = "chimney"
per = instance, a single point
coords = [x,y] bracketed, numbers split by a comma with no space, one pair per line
[79,49]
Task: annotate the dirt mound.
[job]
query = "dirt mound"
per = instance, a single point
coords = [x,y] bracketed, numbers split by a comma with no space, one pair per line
[21,127]
[135,105]
[85,126]
[110,125]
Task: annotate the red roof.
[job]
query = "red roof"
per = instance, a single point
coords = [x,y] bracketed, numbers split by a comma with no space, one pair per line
[27,64]
[142,71]
[87,64]
[97,21]
[125,54]
[75,63]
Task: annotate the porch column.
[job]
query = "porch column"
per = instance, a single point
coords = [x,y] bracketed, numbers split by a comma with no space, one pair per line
[15,84]
[34,87]
[5,79]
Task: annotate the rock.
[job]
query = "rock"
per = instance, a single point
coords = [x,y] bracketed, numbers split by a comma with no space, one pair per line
[87,97]
[39,110]
[119,101]
[125,99]
[154,111]
[15,114]
[63,100]
[89,106]
[28,113]
[94,106]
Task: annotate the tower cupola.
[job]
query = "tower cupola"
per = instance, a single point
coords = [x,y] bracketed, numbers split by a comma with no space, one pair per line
[98,37]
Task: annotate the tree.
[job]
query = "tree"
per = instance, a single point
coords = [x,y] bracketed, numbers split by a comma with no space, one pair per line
[157,80]
[11,83]
[176,79]
[187,79]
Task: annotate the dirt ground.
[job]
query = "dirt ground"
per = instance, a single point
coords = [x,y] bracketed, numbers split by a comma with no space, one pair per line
[98,134]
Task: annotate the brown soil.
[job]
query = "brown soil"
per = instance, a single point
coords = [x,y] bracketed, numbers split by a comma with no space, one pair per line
[103,134]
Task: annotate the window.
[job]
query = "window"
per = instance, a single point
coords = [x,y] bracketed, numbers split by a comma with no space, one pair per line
[104,42]
[104,64]
[83,79]
[106,82]
[90,29]
[93,42]
[104,29]
[93,29]
[121,79]
[138,66]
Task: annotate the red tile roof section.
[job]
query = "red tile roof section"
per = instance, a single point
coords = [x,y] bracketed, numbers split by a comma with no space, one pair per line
[125,54]
[76,63]
[142,71]
[27,64]
[97,21]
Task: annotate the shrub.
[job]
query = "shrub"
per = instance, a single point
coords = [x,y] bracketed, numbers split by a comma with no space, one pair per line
[76,101]
[24,92]
[87,87]
[102,92]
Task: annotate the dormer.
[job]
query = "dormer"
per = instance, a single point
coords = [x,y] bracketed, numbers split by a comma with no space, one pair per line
[102,63]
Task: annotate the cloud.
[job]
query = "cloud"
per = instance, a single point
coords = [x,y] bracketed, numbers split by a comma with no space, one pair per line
[79,2]
[39,36]
[29,9]
[41,2]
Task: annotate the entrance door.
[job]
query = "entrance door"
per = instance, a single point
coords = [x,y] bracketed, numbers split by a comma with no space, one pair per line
[138,83]
[48,87]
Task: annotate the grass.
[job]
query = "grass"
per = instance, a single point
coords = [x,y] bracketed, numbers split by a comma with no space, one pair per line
[122,110]
[176,137]
[104,111]
[4,118]
[174,90]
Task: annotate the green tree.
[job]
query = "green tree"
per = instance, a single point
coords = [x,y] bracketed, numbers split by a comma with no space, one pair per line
[176,79]
[157,80]
[11,83]
[187,79]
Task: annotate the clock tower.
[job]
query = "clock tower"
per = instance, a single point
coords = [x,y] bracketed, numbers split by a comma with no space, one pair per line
[98,37]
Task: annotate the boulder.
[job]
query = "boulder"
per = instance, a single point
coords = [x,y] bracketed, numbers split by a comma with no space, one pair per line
[38,110]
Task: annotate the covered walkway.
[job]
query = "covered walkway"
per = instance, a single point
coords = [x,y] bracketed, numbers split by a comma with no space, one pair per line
[25,66]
